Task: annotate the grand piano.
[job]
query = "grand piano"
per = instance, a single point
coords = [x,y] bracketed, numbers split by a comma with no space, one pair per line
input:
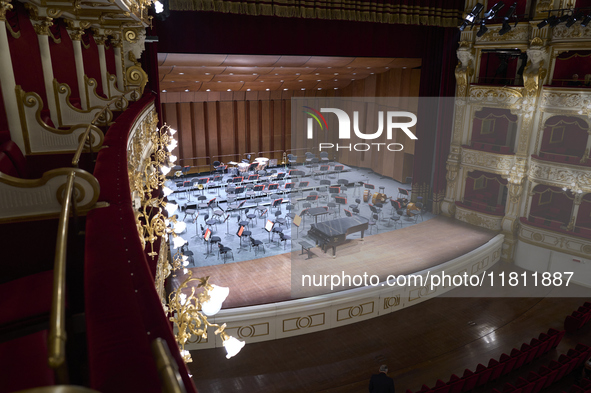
[334,232]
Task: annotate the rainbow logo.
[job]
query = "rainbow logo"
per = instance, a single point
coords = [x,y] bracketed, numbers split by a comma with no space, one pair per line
[315,114]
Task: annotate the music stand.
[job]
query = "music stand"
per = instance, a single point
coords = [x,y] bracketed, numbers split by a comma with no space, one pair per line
[277,202]
[196,224]
[369,186]
[227,223]
[273,187]
[297,220]
[303,184]
[339,200]
[203,182]
[238,179]
[239,233]
[334,190]
[207,237]
[269,228]
[253,177]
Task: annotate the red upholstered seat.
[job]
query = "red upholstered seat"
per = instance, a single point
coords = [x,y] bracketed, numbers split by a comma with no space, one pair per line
[13,152]
[484,374]
[455,384]
[23,362]
[26,299]
[497,369]
[6,165]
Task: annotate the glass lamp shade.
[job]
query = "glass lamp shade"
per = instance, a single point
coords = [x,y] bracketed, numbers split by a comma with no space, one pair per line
[216,297]
[178,242]
[165,170]
[172,145]
[172,131]
[172,158]
[171,208]
[233,346]
[167,191]
[179,227]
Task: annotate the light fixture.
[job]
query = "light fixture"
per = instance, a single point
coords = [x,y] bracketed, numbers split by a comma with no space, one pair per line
[189,314]
[233,346]
[164,91]
[576,16]
[158,7]
[506,26]
[483,29]
[472,16]
[493,11]
[586,21]
[216,297]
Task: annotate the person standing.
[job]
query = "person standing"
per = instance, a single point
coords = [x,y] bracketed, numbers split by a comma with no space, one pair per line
[381,383]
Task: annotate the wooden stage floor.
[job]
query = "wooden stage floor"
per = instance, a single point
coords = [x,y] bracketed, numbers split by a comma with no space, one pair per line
[403,251]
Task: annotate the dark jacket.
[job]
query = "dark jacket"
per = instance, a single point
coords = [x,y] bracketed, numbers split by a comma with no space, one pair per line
[381,383]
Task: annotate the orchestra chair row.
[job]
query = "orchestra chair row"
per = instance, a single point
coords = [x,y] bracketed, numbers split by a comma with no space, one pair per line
[578,318]
[550,374]
[498,368]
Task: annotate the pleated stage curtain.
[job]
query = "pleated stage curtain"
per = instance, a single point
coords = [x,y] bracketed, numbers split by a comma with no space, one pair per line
[411,12]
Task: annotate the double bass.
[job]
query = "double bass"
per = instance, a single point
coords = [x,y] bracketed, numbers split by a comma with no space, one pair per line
[412,209]
[379,198]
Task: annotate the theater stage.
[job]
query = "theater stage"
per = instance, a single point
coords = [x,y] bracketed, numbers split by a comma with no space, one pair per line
[407,250]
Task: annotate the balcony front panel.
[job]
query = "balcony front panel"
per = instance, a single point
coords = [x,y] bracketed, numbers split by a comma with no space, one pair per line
[560,175]
[500,164]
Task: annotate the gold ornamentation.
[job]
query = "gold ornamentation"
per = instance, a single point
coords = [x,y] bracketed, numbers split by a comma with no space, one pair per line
[519,33]
[186,313]
[5,6]
[42,26]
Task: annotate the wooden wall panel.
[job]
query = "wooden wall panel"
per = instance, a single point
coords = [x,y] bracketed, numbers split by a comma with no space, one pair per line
[227,125]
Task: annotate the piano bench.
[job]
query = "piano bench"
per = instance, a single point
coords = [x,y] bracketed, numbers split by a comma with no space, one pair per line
[307,247]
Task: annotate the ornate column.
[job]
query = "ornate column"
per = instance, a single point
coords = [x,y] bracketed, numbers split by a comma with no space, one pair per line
[118,49]
[41,23]
[7,81]
[587,148]
[76,29]
[533,78]
[464,73]
[575,211]
[100,38]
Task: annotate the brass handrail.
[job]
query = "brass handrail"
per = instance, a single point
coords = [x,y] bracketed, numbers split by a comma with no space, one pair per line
[57,327]
[86,134]
[167,368]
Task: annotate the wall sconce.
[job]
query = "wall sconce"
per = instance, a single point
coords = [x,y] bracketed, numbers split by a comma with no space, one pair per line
[190,313]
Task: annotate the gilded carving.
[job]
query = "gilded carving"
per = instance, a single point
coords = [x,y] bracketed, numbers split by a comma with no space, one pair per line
[561,32]
[519,33]
[464,70]
[4,7]
[561,175]
[497,96]
[479,219]
[495,163]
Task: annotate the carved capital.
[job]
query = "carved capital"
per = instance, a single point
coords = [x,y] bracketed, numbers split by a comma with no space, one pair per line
[4,7]
[42,25]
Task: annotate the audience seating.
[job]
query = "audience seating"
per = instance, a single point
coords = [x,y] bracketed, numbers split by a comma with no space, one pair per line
[517,358]
[578,318]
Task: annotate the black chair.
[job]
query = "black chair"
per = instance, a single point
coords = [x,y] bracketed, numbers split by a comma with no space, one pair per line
[250,216]
[256,244]
[210,222]
[373,222]
[190,212]
[284,238]
[223,250]
[356,204]
[348,213]
[420,213]
[279,220]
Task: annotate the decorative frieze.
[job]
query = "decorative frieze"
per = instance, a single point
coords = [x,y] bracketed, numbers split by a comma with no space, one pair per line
[496,96]
[555,241]
[560,175]
[483,220]
[486,161]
